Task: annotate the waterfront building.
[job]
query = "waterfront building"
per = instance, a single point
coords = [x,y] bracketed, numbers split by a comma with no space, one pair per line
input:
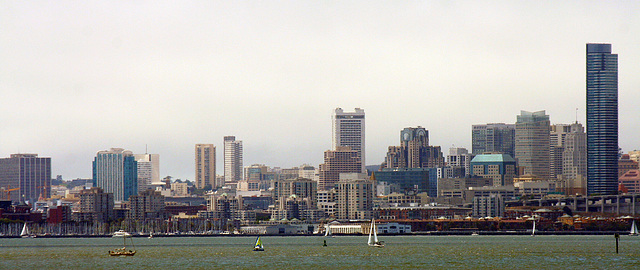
[116,171]
[349,130]
[341,160]
[421,212]
[232,160]
[148,170]
[59,214]
[206,167]
[602,120]
[494,138]
[26,177]
[532,143]
[488,206]
[149,204]
[354,196]
[95,206]
[501,168]
[414,151]
[222,206]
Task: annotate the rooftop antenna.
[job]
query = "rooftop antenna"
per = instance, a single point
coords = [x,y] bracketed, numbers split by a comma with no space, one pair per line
[145,149]
[576,115]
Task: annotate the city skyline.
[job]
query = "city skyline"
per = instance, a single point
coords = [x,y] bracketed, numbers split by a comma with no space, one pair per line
[80,78]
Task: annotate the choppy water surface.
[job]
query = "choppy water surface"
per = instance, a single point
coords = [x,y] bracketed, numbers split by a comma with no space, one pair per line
[426,252]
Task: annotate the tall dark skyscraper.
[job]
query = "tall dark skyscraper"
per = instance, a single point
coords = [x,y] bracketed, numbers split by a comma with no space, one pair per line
[602,120]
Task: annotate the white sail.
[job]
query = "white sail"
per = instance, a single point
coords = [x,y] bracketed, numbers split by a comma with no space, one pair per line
[327,230]
[533,231]
[634,229]
[25,230]
[370,242]
[375,232]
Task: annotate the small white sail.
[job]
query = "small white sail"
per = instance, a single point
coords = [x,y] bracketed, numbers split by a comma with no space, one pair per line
[370,242]
[634,229]
[375,232]
[327,231]
[373,236]
[533,231]
[25,230]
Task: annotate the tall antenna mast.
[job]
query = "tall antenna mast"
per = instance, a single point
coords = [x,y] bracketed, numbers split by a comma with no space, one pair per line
[147,152]
[576,115]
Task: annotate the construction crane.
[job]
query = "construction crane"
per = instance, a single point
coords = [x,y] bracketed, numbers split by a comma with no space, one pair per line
[8,191]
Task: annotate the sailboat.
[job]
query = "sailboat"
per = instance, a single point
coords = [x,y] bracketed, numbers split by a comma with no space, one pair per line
[533,230]
[123,251]
[258,246]
[327,231]
[373,242]
[634,229]
[25,232]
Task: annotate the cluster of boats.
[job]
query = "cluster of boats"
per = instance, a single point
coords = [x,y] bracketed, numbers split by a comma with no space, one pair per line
[258,246]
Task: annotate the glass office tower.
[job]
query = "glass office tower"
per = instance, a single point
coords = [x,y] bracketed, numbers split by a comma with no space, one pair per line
[602,120]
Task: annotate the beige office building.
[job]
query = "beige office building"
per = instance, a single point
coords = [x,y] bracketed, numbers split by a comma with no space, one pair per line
[341,160]
[354,196]
[206,166]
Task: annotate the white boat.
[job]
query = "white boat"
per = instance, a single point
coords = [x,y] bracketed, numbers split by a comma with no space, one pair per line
[373,241]
[121,233]
[150,235]
[475,234]
[25,232]
[634,229]
[258,245]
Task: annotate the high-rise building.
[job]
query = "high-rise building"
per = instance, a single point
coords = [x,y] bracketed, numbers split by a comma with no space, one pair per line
[340,160]
[532,143]
[148,170]
[460,158]
[574,157]
[414,151]
[116,171]
[557,141]
[348,130]
[493,137]
[232,160]
[206,166]
[354,196]
[26,177]
[602,120]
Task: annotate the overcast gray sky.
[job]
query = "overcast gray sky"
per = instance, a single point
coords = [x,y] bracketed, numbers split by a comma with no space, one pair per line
[77,77]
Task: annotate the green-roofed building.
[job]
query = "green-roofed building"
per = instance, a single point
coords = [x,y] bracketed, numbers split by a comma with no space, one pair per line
[500,167]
